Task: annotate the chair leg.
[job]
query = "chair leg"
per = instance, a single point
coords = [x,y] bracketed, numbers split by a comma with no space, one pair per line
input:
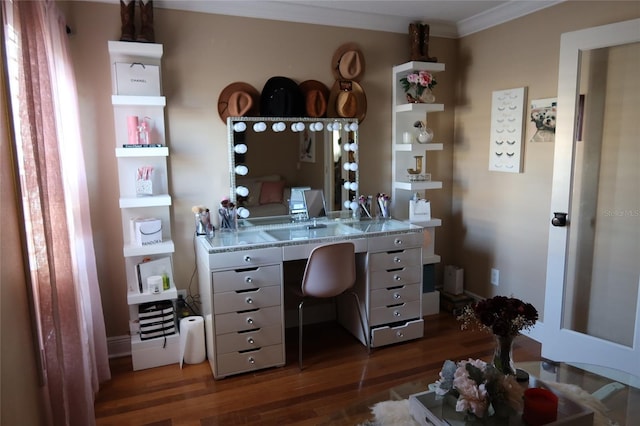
[300,335]
[365,329]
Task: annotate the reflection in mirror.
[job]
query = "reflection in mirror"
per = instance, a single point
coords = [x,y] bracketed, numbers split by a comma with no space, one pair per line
[270,156]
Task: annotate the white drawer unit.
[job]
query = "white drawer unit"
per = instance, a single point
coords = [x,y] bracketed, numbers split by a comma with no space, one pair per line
[393,290]
[243,297]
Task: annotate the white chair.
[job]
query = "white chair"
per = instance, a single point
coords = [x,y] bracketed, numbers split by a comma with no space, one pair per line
[330,272]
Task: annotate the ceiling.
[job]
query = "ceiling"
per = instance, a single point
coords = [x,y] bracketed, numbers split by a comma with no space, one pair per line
[446,18]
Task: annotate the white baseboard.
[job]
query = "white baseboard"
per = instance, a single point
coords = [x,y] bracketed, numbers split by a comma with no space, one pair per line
[119,346]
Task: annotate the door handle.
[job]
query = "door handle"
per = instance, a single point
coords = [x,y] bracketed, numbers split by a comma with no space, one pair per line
[559,219]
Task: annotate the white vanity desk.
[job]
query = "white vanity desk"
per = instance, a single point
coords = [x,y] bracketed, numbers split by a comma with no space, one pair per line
[242,291]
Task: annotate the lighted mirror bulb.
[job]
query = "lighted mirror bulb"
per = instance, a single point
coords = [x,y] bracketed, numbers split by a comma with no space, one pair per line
[347,204]
[242,191]
[240,148]
[336,126]
[346,147]
[243,212]
[299,126]
[293,127]
[318,127]
[346,166]
[279,126]
[330,127]
[346,127]
[346,185]
[241,170]
[353,127]
[353,166]
[353,205]
[353,186]
[353,147]
[259,127]
[240,126]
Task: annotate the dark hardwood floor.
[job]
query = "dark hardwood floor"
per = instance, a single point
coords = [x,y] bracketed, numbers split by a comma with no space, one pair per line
[338,373]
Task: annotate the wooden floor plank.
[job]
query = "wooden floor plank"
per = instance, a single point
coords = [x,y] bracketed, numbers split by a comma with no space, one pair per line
[338,372]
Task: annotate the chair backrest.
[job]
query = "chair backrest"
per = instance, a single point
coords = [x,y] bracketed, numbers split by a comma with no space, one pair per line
[330,270]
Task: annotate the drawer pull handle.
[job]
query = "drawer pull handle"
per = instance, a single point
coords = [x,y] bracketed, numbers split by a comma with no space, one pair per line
[397,242]
[249,321]
[248,280]
[251,360]
[400,334]
[250,340]
[397,259]
[249,300]
[247,258]
[396,314]
[396,296]
[397,277]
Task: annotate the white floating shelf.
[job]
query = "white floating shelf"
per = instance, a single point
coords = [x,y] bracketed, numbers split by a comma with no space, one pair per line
[131,250]
[418,66]
[137,298]
[410,147]
[128,100]
[126,49]
[417,186]
[421,108]
[162,151]
[150,201]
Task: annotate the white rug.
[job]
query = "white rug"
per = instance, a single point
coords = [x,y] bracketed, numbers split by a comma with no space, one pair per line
[396,413]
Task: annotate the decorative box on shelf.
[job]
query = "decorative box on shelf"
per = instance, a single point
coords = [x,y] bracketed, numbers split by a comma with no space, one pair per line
[429,409]
[135,78]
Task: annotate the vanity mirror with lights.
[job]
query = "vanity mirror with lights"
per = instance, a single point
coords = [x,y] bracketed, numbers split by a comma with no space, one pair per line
[269,158]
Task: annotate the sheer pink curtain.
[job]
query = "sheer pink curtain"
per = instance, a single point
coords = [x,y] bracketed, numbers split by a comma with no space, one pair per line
[62,260]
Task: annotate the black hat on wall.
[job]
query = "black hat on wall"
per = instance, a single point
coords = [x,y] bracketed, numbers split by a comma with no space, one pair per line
[281,97]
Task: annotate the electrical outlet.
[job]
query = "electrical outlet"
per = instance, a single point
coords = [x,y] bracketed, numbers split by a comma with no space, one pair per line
[495,277]
[182,293]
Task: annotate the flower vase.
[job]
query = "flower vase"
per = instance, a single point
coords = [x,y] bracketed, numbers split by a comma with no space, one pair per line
[503,355]
[426,97]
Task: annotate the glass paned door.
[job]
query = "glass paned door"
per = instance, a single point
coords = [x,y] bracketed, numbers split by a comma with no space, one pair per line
[591,310]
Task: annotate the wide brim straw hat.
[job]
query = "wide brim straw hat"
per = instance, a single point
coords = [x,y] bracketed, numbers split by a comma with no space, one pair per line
[238,100]
[347,100]
[348,62]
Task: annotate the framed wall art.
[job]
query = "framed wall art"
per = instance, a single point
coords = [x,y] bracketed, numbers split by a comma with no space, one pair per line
[507,119]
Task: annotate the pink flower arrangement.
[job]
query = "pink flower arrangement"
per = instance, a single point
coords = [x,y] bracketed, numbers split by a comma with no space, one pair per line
[480,389]
[418,81]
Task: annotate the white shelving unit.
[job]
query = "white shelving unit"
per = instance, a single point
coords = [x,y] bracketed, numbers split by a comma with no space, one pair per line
[162,350]
[404,115]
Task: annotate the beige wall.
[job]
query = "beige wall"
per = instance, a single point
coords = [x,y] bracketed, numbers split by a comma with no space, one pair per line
[489,219]
[203,53]
[501,220]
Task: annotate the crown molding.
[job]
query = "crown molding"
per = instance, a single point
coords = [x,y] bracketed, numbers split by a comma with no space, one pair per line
[309,14]
[501,14]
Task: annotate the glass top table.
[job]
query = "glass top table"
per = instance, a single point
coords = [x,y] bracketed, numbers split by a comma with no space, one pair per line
[622,402]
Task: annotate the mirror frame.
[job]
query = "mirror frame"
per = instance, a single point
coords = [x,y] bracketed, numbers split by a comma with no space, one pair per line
[346,132]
